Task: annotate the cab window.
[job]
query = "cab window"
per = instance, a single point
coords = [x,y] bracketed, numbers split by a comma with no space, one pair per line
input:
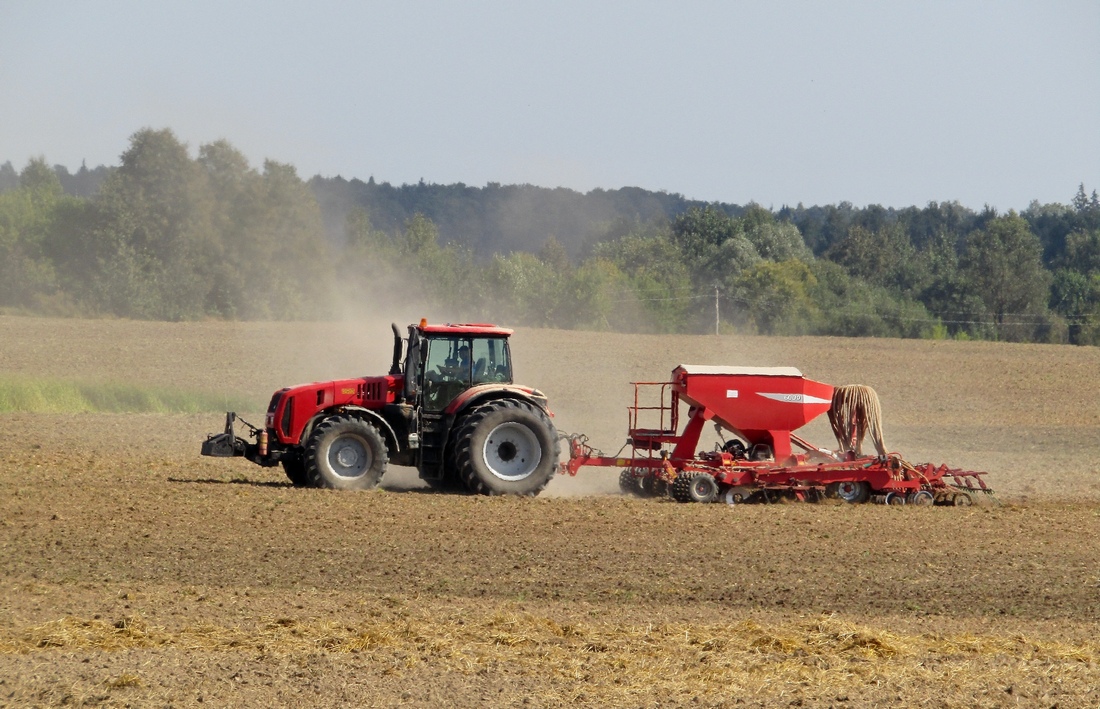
[454,364]
[490,361]
[447,371]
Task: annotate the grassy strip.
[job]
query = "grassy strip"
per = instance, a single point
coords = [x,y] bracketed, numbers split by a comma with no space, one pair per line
[56,396]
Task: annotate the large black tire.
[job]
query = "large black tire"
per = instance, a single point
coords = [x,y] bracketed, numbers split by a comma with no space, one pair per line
[295,468]
[506,447]
[345,453]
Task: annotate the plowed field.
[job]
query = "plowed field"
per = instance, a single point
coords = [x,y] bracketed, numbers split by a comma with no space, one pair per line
[137,573]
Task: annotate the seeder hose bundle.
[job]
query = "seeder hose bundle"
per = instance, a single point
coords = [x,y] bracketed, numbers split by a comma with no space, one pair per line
[854,413]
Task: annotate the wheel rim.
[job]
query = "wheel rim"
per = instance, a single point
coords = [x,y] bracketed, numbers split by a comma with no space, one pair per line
[349,457]
[703,488]
[922,497]
[851,491]
[512,451]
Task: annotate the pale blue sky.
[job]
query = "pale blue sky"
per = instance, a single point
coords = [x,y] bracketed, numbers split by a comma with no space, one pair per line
[779,102]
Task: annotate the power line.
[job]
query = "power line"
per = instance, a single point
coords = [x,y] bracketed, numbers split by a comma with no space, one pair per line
[967,317]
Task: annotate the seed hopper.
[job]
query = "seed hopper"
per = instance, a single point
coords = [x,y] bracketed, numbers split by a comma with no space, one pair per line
[756,411]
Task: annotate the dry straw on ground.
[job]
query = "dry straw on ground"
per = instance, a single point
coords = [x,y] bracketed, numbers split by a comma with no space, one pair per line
[819,657]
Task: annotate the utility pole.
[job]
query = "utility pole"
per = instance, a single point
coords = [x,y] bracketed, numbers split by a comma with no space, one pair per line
[716,320]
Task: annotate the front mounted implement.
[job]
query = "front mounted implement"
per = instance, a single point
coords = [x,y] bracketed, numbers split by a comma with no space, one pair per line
[228,444]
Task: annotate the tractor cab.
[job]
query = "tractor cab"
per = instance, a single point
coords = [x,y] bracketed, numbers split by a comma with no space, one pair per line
[445,360]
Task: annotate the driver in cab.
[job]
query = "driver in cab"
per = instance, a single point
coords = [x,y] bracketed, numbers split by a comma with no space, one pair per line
[457,368]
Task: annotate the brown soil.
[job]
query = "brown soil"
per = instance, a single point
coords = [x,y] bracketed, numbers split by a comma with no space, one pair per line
[136,572]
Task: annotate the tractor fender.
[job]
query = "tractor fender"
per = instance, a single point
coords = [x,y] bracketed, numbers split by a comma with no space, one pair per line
[369,415]
[483,393]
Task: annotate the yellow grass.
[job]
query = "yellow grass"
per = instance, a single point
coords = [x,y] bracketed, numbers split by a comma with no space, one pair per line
[824,656]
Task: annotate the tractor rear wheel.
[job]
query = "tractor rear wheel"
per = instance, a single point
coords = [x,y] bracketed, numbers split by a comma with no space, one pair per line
[506,447]
[295,468]
[345,453]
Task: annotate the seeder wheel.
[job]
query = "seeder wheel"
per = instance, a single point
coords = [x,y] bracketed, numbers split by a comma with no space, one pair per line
[653,486]
[853,491]
[921,498]
[699,487]
[628,484]
[737,495]
[704,488]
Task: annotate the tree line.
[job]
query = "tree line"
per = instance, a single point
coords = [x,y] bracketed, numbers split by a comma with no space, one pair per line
[168,235]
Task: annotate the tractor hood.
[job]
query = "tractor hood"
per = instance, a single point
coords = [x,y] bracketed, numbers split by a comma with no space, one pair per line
[292,407]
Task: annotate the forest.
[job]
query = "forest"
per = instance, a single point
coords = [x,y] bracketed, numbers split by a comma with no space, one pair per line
[172,235]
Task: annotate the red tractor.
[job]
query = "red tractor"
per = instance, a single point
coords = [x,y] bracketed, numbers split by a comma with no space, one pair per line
[449,409]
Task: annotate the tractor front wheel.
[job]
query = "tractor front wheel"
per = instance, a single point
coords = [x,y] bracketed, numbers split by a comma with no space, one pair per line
[506,447]
[345,453]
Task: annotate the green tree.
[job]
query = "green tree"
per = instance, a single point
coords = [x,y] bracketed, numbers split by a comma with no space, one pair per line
[596,290]
[773,240]
[1076,297]
[287,221]
[237,257]
[658,293]
[945,291]
[1001,265]
[153,238]
[884,257]
[712,245]
[527,289]
[1082,251]
[554,255]
[776,297]
[852,307]
[33,219]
